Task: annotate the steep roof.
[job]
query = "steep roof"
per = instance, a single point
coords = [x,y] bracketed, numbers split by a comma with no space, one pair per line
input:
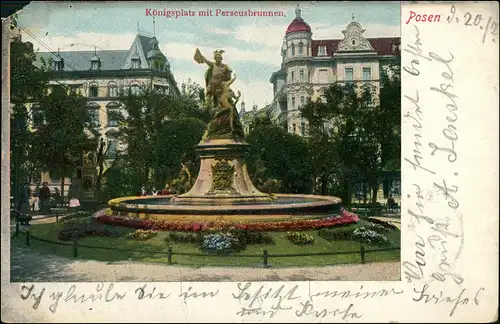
[110,59]
[80,60]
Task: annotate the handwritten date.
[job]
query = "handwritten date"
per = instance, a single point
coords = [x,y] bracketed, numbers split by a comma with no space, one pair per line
[476,20]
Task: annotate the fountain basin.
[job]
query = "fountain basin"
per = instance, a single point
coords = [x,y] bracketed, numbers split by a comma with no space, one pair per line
[282,206]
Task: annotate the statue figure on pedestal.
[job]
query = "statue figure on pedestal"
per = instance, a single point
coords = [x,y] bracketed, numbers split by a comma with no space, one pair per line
[225,121]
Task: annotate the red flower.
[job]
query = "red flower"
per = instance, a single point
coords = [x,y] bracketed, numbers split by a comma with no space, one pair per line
[346,217]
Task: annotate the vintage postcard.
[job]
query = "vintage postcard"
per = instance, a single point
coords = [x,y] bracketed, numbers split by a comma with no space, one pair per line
[264,161]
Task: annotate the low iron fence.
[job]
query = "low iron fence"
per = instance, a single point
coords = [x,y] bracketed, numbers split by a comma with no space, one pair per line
[170,253]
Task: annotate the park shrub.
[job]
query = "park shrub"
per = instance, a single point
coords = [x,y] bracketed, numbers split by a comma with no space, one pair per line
[379,228]
[249,238]
[337,234]
[73,230]
[221,243]
[184,238]
[386,225]
[299,238]
[142,235]
[106,231]
[79,215]
[79,227]
[368,236]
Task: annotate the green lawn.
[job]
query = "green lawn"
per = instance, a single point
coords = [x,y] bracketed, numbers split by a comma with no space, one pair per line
[158,244]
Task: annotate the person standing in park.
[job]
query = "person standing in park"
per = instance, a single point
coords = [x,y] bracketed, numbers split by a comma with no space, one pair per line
[24,199]
[57,196]
[36,202]
[44,197]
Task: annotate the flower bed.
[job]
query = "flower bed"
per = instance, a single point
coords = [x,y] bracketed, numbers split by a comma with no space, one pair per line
[142,235]
[187,226]
[299,238]
[368,236]
[219,243]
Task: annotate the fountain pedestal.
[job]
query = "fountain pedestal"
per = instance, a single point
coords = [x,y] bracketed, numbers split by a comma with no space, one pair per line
[223,178]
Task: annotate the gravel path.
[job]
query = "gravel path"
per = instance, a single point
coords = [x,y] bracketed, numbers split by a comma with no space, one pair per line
[30,265]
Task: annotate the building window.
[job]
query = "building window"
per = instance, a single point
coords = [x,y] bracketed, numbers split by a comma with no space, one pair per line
[293,102]
[323,76]
[112,90]
[367,93]
[301,49]
[367,74]
[38,118]
[93,115]
[136,64]
[301,75]
[93,91]
[113,113]
[321,50]
[303,128]
[112,147]
[134,89]
[55,176]
[293,49]
[349,74]
[302,100]
[294,129]
[59,65]
[58,88]
[74,88]
[293,76]
[164,90]
[94,65]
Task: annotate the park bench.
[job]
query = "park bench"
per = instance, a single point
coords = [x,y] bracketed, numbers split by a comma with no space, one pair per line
[372,209]
[22,218]
[58,211]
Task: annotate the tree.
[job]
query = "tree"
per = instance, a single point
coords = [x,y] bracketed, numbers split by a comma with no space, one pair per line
[389,120]
[158,130]
[61,140]
[28,84]
[342,138]
[101,162]
[319,139]
[276,154]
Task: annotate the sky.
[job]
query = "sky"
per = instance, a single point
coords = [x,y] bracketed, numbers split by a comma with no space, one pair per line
[251,44]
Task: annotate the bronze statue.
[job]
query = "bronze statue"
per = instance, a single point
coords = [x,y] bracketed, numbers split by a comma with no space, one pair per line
[225,122]
[216,75]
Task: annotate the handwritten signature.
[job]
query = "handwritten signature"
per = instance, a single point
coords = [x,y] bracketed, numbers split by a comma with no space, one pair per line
[426,297]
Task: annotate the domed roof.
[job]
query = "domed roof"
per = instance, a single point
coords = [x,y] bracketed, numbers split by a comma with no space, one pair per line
[298,24]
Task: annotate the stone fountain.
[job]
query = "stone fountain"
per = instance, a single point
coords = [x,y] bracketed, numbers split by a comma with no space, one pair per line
[223,189]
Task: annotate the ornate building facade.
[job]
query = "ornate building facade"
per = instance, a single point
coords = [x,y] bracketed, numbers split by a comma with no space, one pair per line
[100,76]
[309,66]
[248,116]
